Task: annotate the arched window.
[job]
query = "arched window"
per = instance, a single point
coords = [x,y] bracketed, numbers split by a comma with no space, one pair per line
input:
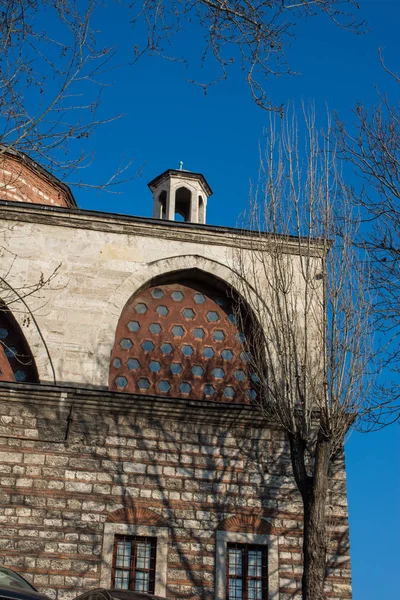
[16,361]
[181,340]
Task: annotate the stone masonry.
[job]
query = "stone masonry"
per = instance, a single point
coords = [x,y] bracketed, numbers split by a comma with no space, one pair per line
[79,462]
[72,462]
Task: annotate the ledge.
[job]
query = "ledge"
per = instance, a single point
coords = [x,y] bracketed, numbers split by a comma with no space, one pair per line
[151,406]
[142,226]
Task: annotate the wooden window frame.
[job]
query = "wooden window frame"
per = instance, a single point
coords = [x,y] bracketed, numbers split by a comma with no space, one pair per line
[132,569]
[245,578]
[111,529]
[224,537]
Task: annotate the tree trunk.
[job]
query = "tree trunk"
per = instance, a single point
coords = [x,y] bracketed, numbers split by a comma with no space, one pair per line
[314,494]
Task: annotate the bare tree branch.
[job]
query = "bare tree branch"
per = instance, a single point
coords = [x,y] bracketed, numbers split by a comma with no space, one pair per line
[374,150]
[312,349]
[254,34]
[50,85]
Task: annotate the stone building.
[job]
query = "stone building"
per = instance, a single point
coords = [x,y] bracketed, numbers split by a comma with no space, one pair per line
[129,452]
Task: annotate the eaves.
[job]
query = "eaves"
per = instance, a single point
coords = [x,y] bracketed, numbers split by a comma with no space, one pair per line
[212,235]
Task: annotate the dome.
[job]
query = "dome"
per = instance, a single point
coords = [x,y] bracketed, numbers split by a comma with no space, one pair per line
[24,180]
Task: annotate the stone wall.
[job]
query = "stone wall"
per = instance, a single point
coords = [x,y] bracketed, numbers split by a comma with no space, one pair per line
[76,459]
[96,263]
[73,461]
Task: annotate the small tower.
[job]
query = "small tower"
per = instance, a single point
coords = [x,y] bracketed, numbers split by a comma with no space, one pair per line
[179,193]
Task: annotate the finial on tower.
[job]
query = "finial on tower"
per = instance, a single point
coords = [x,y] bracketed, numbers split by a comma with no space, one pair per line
[180,195]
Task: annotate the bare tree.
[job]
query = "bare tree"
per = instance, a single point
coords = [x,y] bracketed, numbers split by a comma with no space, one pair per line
[310,354]
[52,73]
[253,34]
[374,150]
[53,66]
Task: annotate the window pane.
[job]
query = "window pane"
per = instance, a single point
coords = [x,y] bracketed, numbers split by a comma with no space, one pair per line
[247,572]
[123,554]
[235,589]
[255,563]
[143,555]
[142,581]
[134,563]
[235,561]
[255,589]
[121,580]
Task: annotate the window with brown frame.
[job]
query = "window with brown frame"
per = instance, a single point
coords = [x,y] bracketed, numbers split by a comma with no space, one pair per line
[134,563]
[246,572]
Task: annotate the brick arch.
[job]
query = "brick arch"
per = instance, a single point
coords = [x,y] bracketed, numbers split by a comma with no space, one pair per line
[245,523]
[26,323]
[136,515]
[139,279]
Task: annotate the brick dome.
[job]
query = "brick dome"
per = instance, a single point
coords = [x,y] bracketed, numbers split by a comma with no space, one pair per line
[24,180]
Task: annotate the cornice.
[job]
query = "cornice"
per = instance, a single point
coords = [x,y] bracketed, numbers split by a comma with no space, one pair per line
[90,220]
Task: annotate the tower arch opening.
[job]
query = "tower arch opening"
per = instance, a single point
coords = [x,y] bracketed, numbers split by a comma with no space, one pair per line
[162,205]
[183,199]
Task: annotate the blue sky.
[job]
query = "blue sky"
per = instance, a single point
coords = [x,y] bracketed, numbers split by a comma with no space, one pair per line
[167,120]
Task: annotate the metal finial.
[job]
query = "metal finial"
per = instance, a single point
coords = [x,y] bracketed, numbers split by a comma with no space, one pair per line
[180,165]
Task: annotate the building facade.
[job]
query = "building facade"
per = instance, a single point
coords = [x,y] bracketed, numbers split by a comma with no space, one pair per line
[130,453]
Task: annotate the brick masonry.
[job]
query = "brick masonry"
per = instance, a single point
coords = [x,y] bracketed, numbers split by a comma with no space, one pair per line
[21,182]
[65,473]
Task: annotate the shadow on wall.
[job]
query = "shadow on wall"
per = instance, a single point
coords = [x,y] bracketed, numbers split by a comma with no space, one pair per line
[195,468]
[192,477]
[116,465]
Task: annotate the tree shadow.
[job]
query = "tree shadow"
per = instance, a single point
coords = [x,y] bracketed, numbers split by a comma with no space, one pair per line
[82,455]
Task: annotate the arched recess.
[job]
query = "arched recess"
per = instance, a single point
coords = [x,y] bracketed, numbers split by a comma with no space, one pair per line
[247,523]
[179,337]
[16,359]
[143,277]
